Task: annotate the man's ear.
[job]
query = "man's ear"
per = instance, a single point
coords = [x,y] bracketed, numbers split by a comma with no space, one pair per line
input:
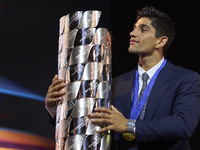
[161,41]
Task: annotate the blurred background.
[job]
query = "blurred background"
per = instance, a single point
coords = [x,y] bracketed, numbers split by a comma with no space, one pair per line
[29,50]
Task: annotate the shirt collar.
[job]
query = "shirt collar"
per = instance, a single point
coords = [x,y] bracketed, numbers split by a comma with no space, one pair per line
[151,71]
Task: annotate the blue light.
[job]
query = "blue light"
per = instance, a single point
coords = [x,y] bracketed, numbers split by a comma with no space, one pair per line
[10,87]
[21,94]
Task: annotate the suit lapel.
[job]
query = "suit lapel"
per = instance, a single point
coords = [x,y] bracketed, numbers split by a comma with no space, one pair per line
[123,101]
[160,86]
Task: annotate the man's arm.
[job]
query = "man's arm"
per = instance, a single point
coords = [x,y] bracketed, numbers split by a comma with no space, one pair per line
[178,123]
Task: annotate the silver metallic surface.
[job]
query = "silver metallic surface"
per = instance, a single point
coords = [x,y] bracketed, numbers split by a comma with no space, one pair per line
[74,142]
[102,102]
[88,88]
[106,74]
[89,19]
[84,64]
[62,129]
[92,142]
[64,73]
[79,54]
[74,20]
[60,143]
[58,112]
[83,107]
[76,72]
[78,125]
[62,24]
[60,44]
[68,39]
[71,90]
[70,21]
[84,36]
[67,109]
[101,37]
[107,56]
[96,54]
[103,90]
[91,128]
[92,71]
[106,142]
[63,58]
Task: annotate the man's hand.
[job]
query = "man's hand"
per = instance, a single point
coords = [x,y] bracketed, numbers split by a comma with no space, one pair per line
[54,93]
[117,122]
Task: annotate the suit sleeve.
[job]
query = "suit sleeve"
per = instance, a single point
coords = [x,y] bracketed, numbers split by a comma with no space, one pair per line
[177,115]
[51,120]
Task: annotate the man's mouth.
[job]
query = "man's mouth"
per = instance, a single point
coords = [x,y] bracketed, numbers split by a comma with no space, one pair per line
[132,41]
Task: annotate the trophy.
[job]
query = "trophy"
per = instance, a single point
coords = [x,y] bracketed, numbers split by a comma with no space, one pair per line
[84,63]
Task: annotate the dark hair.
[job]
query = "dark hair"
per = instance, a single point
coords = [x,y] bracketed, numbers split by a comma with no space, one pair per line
[161,22]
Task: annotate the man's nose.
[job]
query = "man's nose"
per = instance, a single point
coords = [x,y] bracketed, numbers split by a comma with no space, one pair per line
[133,33]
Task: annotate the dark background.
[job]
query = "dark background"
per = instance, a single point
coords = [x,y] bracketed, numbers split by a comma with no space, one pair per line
[29,46]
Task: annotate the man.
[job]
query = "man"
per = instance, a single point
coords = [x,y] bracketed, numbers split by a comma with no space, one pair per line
[156,106]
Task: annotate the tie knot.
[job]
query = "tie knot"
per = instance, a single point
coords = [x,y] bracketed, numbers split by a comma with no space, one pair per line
[145,76]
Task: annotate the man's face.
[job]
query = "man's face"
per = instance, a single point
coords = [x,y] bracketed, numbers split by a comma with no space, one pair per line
[143,40]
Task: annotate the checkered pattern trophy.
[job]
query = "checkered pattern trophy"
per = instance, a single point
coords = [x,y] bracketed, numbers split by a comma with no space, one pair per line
[84,63]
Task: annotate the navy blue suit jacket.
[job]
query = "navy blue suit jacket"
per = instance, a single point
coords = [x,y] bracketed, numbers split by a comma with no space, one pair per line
[172,111]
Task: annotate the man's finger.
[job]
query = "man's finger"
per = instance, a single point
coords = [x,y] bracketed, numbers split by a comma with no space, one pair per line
[103,109]
[55,78]
[56,94]
[56,82]
[100,115]
[56,88]
[100,120]
[105,129]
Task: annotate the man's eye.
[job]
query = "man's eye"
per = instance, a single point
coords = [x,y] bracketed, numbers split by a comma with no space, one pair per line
[143,29]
